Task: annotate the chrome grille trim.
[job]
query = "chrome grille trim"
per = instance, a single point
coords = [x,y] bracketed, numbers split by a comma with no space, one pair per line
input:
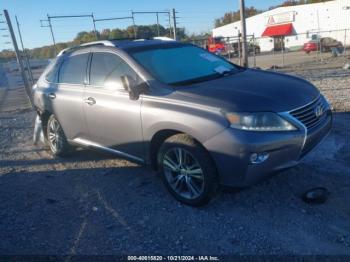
[306,114]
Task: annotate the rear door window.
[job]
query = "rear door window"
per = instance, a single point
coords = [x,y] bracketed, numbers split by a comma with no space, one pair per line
[73,69]
[106,70]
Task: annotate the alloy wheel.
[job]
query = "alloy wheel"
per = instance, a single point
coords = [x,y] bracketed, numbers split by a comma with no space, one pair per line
[54,135]
[183,173]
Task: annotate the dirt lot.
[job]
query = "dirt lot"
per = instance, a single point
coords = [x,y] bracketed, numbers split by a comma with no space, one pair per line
[93,203]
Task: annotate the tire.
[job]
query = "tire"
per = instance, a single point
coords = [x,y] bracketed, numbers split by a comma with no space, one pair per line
[187,170]
[56,138]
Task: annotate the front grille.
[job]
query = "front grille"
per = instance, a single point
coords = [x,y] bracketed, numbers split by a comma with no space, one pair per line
[307,114]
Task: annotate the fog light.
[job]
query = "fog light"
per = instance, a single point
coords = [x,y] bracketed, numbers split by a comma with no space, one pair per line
[257,158]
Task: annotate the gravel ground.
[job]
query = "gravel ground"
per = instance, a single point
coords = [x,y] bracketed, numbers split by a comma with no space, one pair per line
[330,78]
[92,203]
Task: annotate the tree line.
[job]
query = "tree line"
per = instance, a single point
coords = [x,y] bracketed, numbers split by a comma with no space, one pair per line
[143,31]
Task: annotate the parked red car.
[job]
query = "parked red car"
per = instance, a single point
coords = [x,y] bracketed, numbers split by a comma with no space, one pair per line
[216,45]
[325,45]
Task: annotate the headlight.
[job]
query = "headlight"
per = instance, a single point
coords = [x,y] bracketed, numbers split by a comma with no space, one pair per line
[267,121]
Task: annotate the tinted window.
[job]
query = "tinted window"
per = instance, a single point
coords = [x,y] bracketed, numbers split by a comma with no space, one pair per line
[51,75]
[73,69]
[183,63]
[106,70]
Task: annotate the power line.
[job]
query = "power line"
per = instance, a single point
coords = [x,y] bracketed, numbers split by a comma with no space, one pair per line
[75,16]
[118,18]
[157,17]
[171,17]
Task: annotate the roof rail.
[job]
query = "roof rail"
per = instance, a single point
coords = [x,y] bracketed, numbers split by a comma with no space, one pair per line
[111,43]
[63,51]
[104,42]
[123,39]
[163,38]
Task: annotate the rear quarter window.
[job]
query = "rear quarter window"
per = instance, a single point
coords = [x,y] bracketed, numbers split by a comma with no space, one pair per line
[52,71]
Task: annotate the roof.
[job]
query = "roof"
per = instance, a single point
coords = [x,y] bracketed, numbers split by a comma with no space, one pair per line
[121,43]
[278,30]
[124,44]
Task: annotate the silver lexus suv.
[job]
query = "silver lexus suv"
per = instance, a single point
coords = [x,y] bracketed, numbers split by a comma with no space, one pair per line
[198,119]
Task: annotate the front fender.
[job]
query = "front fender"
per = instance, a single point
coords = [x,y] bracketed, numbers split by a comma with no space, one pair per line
[200,122]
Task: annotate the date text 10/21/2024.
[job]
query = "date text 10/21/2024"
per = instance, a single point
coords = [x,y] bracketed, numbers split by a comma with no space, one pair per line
[173,258]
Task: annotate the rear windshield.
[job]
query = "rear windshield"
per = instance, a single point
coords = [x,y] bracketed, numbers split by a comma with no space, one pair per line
[182,64]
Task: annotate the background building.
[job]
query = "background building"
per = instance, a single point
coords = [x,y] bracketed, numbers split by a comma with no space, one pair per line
[292,26]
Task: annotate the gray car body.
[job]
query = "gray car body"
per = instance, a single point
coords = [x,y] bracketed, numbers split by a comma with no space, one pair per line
[136,128]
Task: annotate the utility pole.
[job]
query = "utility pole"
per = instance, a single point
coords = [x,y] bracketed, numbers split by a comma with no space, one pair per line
[244,34]
[133,23]
[157,23]
[68,16]
[18,56]
[29,70]
[53,37]
[93,21]
[174,21]
[151,12]
[170,24]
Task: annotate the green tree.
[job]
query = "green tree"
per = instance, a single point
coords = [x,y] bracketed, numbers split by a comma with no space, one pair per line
[231,17]
[118,34]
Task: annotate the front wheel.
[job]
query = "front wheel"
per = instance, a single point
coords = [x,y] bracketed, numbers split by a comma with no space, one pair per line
[56,138]
[187,170]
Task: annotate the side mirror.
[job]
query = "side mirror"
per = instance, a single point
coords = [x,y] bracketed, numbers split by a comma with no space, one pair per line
[130,86]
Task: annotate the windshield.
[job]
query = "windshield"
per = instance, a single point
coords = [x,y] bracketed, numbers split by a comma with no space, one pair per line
[182,64]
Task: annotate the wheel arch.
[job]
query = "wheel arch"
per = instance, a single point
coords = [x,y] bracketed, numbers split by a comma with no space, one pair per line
[156,141]
[159,138]
[44,117]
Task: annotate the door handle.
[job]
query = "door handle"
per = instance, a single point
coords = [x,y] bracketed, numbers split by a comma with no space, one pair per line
[90,101]
[52,95]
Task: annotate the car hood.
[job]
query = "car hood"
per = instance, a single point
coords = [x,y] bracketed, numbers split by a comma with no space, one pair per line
[251,91]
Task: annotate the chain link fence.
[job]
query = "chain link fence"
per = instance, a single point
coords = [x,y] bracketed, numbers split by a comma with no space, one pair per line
[281,51]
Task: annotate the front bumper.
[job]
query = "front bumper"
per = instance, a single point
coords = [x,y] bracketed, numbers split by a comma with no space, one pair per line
[232,148]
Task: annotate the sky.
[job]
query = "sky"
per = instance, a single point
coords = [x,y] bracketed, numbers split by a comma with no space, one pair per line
[195,15]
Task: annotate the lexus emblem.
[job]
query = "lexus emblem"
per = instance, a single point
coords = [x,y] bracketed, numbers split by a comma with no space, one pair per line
[319,111]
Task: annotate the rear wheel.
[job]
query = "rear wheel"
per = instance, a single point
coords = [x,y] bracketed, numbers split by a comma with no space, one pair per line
[187,170]
[56,138]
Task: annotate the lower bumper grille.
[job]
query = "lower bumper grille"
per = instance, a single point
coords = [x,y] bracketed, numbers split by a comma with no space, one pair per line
[315,137]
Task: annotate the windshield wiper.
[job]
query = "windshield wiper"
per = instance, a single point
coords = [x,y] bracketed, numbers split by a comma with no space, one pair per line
[216,75]
[227,72]
[196,80]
